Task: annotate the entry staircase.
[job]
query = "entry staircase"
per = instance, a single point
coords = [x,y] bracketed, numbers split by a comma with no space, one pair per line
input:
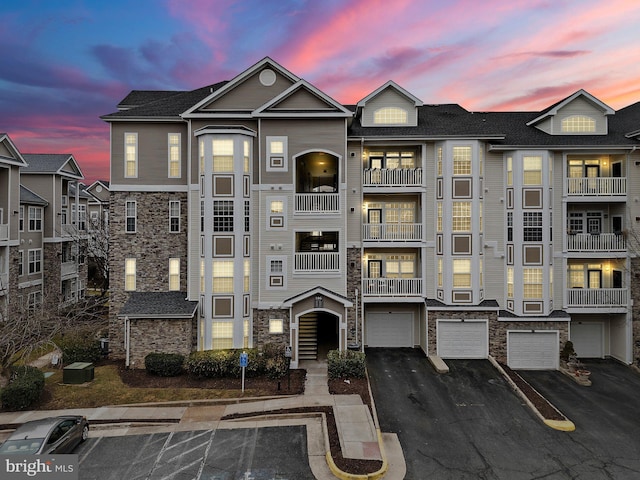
[308,337]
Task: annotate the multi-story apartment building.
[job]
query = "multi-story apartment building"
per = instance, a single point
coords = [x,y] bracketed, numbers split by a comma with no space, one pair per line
[43,233]
[261,210]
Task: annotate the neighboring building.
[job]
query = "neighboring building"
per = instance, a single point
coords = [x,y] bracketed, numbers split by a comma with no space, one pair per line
[42,230]
[261,210]
[98,230]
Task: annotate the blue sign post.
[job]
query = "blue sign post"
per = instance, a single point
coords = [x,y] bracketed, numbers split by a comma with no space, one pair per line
[244,360]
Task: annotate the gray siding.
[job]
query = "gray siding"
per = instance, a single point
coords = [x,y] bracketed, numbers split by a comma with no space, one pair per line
[388,98]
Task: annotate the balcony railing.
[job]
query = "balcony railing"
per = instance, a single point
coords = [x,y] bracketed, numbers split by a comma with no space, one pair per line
[597,297]
[4,231]
[317,262]
[4,283]
[599,186]
[604,242]
[392,287]
[391,231]
[392,177]
[317,202]
[68,268]
[68,230]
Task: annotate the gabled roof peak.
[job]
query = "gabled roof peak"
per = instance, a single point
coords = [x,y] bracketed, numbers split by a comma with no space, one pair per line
[391,84]
[553,109]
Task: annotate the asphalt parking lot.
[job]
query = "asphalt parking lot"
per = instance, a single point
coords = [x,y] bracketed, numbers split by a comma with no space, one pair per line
[256,454]
[468,424]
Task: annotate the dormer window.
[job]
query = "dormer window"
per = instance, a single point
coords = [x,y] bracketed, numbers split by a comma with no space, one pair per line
[578,124]
[390,116]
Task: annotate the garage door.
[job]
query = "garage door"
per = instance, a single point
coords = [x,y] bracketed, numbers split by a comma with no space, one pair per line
[389,329]
[466,339]
[587,339]
[533,350]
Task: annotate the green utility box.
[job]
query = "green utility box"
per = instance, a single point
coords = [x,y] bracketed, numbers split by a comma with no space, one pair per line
[79,372]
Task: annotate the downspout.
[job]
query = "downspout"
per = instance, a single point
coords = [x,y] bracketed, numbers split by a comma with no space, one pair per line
[127,340]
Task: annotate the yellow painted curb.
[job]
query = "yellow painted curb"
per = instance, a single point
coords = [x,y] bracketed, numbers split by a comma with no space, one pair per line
[562,425]
[369,476]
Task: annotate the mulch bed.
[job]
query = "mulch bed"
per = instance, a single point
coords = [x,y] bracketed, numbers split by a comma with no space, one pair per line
[547,410]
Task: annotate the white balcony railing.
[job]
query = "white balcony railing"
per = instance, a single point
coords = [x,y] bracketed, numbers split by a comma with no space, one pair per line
[4,283]
[597,297]
[68,268]
[599,186]
[391,231]
[317,202]
[392,177]
[4,231]
[392,287]
[68,230]
[317,262]
[604,242]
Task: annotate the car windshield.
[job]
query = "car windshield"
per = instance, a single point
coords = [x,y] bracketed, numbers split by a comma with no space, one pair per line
[22,447]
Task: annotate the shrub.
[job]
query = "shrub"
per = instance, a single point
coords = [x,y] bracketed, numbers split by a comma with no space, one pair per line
[271,350]
[277,367]
[567,350]
[225,363]
[164,364]
[80,348]
[346,364]
[255,363]
[24,389]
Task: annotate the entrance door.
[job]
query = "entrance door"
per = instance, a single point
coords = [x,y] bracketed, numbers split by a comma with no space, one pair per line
[375,219]
[616,279]
[616,169]
[592,173]
[594,225]
[616,225]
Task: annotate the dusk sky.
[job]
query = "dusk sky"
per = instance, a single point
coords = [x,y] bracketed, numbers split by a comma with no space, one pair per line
[64,63]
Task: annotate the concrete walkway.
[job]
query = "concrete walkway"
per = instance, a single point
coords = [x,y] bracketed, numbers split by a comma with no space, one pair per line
[359,432]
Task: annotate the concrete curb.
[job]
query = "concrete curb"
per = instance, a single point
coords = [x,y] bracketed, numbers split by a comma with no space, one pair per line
[369,476]
[561,425]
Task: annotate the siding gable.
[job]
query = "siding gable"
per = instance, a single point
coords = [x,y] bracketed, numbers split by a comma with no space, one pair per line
[390,95]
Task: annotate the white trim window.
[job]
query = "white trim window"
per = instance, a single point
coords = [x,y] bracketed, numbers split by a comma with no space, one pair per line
[129,274]
[174,274]
[277,156]
[222,155]
[35,261]
[130,216]
[21,219]
[276,326]
[174,154]
[578,124]
[223,276]
[35,219]
[390,116]
[130,155]
[34,300]
[221,335]
[20,263]
[174,216]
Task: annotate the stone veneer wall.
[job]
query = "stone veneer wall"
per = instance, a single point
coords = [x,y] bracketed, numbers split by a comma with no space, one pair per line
[354,281]
[635,309]
[152,245]
[150,335]
[497,329]
[261,335]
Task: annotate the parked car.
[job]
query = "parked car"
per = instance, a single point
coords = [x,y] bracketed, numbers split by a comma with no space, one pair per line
[47,436]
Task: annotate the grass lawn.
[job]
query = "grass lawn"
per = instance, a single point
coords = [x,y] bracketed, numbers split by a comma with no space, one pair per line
[107,388]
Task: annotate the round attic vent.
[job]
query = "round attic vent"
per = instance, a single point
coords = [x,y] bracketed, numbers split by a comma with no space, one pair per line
[267,77]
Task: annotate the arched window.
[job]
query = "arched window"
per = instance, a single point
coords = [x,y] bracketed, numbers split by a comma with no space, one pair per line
[390,116]
[578,124]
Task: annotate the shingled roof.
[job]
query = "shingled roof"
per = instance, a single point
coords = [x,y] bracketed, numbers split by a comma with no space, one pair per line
[158,305]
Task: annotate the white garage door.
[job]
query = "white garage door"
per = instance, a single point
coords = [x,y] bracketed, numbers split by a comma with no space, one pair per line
[466,339]
[587,339]
[389,329]
[533,350]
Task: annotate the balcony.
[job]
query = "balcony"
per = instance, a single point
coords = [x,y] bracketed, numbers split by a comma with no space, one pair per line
[316,262]
[4,283]
[317,203]
[4,232]
[604,242]
[392,287]
[391,232]
[597,297]
[68,269]
[392,177]
[597,186]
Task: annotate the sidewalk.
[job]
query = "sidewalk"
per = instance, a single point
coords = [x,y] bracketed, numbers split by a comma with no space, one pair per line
[359,432]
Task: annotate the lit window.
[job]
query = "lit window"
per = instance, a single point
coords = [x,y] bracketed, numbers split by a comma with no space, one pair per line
[510,282]
[130,155]
[174,155]
[174,216]
[276,326]
[509,170]
[201,155]
[532,170]
[578,124]
[223,155]
[130,274]
[222,335]
[439,161]
[532,283]
[245,332]
[277,206]
[247,162]
[400,266]
[390,116]
[440,272]
[439,218]
[461,216]
[276,146]
[223,276]
[201,275]
[247,276]
[462,160]
[174,274]
[462,273]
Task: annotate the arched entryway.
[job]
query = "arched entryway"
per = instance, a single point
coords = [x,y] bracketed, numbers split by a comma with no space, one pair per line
[318,332]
